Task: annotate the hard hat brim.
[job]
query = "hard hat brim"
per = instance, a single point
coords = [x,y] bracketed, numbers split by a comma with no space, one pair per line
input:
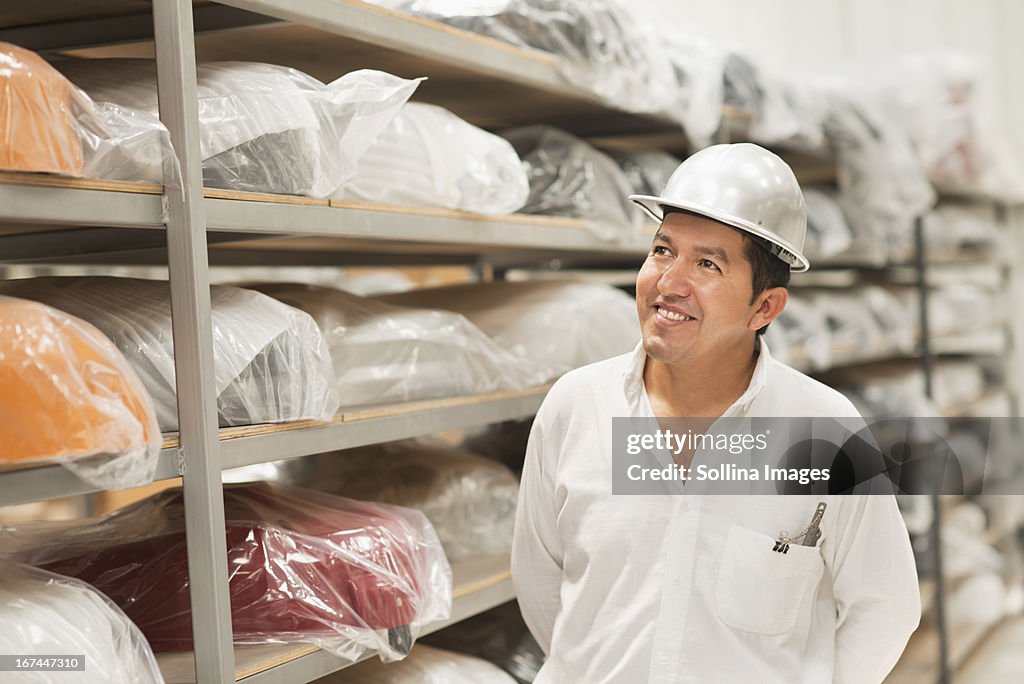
[654,207]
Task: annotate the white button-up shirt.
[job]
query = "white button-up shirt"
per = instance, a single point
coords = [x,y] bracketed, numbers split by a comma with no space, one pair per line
[687,588]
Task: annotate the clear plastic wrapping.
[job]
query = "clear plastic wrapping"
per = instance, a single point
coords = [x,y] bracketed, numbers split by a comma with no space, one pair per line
[425,665]
[70,396]
[883,185]
[698,72]
[852,329]
[384,353]
[48,125]
[800,335]
[428,157]
[599,42]
[550,322]
[648,171]
[953,230]
[935,99]
[470,500]
[263,127]
[569,177]
[271,364]
[779,111]
[346,575]
[42,613]
[828,233]
[964,308]
[498,635]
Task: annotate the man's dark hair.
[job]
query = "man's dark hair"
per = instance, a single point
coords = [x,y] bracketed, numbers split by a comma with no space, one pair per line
[767,270]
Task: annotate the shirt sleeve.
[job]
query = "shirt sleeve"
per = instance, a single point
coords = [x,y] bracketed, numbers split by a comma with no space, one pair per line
[536,547]
[875,585]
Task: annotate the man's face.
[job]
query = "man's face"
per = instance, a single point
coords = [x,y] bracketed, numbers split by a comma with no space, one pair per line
[693,291]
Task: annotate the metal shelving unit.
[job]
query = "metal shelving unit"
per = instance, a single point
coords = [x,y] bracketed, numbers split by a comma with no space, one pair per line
[43,218]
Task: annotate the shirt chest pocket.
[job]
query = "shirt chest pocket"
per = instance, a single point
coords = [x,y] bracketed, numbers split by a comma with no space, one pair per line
[760,590]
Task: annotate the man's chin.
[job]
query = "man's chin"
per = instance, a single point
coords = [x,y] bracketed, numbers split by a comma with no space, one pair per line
[661,350]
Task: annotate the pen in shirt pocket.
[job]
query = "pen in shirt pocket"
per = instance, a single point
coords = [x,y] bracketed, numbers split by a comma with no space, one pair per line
[810,535]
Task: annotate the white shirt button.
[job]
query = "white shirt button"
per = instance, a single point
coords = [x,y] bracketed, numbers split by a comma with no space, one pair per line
[685,506]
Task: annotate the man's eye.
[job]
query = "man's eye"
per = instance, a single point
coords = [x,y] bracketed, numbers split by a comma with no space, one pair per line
[659,250]
[707,263]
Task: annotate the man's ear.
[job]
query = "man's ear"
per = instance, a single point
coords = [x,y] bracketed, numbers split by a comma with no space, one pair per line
[767,307]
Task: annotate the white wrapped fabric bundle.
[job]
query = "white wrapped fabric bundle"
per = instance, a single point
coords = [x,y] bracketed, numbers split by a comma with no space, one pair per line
[470,500]
[387,354]
[424,665]
[42,613]
[801,335]
[569,177]
[599,42]
[964,308]
[648,171]
[697,69]
[780,111]
[554,323]
[895,316]
[271,364]
[828,233]
[934,99]
[428,157]
[952,229]
[883,186]
[263,127]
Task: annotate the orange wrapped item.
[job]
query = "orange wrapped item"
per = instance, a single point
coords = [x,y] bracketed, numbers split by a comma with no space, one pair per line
[37,128]
[68,395]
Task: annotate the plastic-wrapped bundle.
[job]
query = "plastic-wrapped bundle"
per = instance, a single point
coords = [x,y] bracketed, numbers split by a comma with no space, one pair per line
[263,127]
[498,635]
[46,614]
[425,665]
[48,125]
[828,233]
[698,72]
[780,111]
[550,322]
[802,333]
[69,396]
[900,391]
[386,354]
[270,362]
[964,308]
[569,177]
[852,329]
[882,185]
[470,500]
[953,229]
[896,322]
[346,575]
[934,99]
[428,157]
[648,171]
[599,42]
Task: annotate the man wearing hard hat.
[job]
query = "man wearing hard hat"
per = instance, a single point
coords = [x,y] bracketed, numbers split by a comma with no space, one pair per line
[690,588]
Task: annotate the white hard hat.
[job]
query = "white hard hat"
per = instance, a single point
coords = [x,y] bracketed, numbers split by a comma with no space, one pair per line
[742,185]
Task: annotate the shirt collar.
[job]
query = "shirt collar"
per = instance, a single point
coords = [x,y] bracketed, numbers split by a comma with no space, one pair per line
[636,393]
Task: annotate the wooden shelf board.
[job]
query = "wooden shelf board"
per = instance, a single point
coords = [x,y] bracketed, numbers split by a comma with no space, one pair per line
[54,181]
[350,415]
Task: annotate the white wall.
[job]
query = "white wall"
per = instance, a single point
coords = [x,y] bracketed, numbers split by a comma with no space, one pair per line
[809,36]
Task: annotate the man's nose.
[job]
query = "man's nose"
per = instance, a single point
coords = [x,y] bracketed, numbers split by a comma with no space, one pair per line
[676,280]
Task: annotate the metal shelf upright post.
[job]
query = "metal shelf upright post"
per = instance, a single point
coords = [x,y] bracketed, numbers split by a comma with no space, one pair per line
[199,451]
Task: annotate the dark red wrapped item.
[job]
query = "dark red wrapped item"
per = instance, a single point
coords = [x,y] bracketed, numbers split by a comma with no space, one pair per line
[304,566]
